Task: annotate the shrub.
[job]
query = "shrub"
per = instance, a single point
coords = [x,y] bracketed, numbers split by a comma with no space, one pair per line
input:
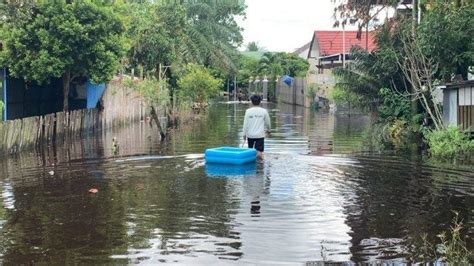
[401,134]
[155,91]
[395,105]
[450,143]
[197,84]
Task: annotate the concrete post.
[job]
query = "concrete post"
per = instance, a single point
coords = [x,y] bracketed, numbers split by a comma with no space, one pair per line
[265,88]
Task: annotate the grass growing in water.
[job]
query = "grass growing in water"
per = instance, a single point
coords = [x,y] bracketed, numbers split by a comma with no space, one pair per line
[451,248]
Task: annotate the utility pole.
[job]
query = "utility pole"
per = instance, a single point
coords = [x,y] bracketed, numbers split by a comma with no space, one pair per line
[236,89]
[228,92]
[343,46]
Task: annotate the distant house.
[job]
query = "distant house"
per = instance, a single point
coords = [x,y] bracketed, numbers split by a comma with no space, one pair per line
[329,48]
[303,51]
[327,51]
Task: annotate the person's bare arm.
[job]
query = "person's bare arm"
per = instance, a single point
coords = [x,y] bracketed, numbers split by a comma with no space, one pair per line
[268,124]
[245,128]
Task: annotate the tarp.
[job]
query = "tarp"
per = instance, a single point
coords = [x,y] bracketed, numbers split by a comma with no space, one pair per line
[94,93]
[288,80]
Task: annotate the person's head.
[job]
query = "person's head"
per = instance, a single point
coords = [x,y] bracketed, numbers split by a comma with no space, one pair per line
[255,99]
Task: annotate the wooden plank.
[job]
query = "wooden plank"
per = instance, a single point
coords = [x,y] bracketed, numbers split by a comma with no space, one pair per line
[51,118]
[14,135]
[60,126]
[78,121]
[3,137]
[467,117]
[38,129]
[28,132]
[472,118]
[72,125]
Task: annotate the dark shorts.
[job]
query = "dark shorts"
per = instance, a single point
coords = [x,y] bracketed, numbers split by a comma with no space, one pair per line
[257,144]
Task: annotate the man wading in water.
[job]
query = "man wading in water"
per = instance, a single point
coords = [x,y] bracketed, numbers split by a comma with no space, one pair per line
[256,123]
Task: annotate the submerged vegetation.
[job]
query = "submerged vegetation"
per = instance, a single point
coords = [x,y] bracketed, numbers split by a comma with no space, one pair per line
[449,247]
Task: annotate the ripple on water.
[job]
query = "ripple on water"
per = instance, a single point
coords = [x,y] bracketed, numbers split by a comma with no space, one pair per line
[159,203]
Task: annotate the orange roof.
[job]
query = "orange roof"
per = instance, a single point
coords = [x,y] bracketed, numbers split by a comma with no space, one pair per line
[330,42]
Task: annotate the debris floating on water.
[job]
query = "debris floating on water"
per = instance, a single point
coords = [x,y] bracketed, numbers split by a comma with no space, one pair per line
[93,190]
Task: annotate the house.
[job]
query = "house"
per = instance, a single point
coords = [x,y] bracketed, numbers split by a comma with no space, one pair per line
[331,49]
[303,51]
[458,104]
[328,49]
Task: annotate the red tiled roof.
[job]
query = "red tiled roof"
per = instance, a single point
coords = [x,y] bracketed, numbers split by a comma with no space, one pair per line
[330,42]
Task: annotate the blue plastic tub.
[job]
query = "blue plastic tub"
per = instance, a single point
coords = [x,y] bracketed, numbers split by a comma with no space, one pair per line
[230,155]
[226,170]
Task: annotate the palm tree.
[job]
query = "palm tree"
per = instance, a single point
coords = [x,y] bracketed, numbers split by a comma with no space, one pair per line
[214,32]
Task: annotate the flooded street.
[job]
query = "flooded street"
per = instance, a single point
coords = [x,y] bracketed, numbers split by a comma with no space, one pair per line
[319,195]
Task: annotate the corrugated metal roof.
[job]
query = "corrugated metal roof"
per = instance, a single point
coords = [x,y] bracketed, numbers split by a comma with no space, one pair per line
[459,84]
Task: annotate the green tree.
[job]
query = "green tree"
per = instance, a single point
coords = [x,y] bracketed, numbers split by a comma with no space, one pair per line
[360,12]
[197,84]
[175,34]
[445,35]
[159,36]
[271,64]
[62,40]
[276,64]
[361,80]
[248,67]
[215,32]
[253,47]
[198,31]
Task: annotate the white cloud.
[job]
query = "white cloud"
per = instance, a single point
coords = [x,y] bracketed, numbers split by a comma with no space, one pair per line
[284,25]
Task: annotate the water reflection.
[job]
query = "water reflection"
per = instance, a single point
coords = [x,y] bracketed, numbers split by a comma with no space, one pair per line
[317,196]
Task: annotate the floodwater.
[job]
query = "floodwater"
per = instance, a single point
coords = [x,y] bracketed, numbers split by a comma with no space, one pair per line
[318,196]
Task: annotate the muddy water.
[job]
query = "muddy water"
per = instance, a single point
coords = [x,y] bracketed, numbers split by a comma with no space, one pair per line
[319,195]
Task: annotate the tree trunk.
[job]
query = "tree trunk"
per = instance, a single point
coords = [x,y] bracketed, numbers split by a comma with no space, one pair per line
[66,84]
[154,116]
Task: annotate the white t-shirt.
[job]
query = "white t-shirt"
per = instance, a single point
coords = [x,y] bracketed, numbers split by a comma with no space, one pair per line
[256,121]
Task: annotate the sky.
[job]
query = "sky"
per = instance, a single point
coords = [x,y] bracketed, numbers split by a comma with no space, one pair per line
[285,25]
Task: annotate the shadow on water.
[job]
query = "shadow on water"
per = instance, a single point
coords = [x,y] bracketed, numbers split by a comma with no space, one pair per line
[319,195]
